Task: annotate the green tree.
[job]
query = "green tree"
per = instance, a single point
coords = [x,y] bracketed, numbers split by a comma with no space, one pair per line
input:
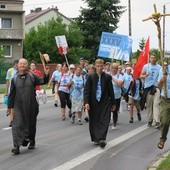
[101,15]
[43,39]
[136,54]
[157,53]
[142,43]
[1,55]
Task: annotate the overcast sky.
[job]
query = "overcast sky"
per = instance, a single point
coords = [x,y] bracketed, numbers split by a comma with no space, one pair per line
[140,9]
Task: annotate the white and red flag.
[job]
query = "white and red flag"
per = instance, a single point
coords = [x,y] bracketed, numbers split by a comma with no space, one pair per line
[62,44]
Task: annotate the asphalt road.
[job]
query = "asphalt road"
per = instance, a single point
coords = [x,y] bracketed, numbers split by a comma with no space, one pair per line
[63,146]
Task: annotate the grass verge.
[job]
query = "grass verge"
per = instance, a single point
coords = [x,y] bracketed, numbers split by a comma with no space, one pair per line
[2,90]
[165,164]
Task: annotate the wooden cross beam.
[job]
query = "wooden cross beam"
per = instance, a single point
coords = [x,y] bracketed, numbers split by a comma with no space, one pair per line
[156,17]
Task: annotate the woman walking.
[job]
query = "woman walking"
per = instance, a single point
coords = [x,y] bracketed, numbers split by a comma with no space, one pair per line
[77,95]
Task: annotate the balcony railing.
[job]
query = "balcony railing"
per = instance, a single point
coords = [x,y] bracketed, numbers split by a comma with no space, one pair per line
[11,34]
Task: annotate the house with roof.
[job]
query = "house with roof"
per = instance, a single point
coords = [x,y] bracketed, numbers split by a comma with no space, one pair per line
[39,16]
[12,28]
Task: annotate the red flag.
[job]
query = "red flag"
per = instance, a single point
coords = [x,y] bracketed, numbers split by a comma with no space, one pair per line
[142,59]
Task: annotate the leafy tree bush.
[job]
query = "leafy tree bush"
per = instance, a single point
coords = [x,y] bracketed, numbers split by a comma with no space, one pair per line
[100,16]
[43,39]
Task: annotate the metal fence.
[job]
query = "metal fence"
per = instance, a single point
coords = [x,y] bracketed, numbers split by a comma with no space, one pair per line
[3,69]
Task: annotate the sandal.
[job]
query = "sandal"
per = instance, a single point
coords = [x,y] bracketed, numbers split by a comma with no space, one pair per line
[161,144]
[63,117]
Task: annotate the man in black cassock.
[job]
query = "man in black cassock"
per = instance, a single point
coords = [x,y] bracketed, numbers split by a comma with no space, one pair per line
[99,101]
[22,99]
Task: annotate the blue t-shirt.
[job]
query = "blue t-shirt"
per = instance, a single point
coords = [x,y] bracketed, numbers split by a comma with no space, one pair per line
[9,75]
[78,87]
[56,75]
[116,88]
[152,78]
[167,82]
[64,80]
[127,80]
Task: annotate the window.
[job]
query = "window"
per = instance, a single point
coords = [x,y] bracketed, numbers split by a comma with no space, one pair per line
[5,23]
[2,6]
[7,49]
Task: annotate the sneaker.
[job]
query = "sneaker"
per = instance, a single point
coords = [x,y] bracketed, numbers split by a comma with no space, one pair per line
[80,122]
[139,116]
[102,143]
[150,124]
[114,127]
[157,125]
[73,119]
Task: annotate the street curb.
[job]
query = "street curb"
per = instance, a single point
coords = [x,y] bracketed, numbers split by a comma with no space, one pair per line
[161,158]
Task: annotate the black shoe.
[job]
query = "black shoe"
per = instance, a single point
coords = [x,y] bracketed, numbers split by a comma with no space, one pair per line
[157,125]
[69,113]
[25,142]
[73,118]
[31,145]
[139,116]
[131,120]
[150,123]
[10,124]
[86,119]
[15,150]
[56,104]
[102,143]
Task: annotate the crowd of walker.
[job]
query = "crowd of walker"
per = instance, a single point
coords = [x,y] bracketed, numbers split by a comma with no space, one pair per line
[95,89]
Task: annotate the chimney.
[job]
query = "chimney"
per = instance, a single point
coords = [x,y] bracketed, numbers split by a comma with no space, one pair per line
[38,9]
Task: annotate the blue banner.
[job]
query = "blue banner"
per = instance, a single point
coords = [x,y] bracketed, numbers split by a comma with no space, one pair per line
[115,46]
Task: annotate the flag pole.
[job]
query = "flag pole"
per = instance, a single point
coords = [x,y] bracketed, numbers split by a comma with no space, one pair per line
[66,59]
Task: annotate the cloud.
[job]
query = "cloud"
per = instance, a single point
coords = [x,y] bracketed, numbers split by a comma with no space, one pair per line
[140,9]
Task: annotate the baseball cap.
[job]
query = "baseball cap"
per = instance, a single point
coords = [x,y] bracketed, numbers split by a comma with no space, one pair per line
[15,61]
[72,66]
[82,58]
[127,63]
[107,63]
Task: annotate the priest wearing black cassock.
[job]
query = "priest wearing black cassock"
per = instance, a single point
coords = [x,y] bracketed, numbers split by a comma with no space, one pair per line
[99,101]
[22,99]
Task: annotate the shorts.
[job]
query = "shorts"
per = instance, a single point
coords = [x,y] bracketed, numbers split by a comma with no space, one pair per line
[133,102]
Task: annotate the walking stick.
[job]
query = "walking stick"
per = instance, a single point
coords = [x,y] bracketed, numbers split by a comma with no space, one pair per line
[156,17]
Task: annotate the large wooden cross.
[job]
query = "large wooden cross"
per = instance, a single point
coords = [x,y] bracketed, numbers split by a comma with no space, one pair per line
[156,17]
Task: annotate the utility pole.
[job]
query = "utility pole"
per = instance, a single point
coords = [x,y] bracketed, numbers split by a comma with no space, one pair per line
[129,11]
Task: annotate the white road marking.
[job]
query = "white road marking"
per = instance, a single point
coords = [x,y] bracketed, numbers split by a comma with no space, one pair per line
[90,154]
[7,128]
[3,109]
